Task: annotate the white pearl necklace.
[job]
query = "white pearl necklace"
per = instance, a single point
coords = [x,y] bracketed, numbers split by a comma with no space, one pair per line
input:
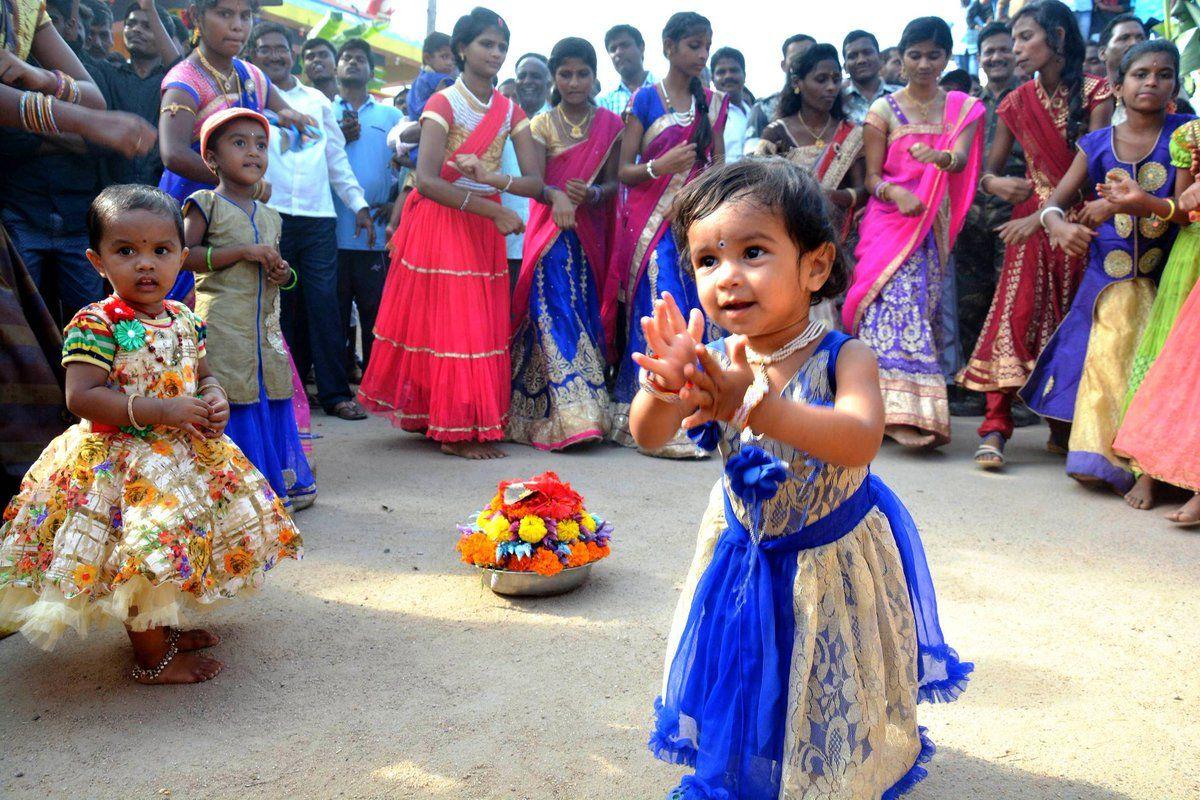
[809,335]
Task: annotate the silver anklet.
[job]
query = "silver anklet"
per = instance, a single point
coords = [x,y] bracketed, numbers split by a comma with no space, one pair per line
[138,673]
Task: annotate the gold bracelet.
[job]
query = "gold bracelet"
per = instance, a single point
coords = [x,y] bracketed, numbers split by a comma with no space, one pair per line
[1170,214]
[129,411]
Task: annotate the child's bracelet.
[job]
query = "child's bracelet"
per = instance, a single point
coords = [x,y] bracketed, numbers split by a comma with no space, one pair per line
[129,412]
[654,390]
[208,259]
[204,387]
[756,392]
[290,286]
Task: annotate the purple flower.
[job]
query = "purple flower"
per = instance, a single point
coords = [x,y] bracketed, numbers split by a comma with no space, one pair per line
[754,474]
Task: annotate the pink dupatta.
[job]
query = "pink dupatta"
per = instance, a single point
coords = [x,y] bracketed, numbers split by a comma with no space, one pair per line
[643,212]
[887,237]
[583,161]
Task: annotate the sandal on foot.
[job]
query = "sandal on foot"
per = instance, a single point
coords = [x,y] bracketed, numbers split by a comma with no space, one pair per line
[989,456]
[347,409]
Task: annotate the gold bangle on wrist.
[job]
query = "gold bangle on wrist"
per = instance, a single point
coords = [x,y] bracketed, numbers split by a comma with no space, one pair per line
[1170,214]
[129,412]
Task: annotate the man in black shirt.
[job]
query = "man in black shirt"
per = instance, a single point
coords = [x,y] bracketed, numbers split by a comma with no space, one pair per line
[136,85]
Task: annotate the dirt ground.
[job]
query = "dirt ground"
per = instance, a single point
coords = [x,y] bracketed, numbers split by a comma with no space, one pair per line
[380,668]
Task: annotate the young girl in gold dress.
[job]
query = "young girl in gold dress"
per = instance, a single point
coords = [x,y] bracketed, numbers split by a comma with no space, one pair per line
[143,510]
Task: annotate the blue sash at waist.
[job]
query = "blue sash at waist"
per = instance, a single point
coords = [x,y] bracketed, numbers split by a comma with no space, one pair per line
[829,528]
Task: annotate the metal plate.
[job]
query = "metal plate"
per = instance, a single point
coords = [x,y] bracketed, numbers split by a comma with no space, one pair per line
[530,584]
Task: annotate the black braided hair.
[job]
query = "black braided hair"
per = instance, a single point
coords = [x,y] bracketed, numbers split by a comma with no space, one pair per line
[1052,17]
[571,47]
[680,26]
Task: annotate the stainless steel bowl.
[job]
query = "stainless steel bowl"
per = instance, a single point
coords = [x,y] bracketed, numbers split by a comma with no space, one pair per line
[530,584]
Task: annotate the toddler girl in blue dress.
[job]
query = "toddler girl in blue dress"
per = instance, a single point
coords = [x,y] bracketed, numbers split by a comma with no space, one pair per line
[807,630]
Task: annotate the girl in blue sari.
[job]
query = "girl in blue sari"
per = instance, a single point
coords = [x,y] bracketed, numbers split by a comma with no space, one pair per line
[211,79]
[807,630]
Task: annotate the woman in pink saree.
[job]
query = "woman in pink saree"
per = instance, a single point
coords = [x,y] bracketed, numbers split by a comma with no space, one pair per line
[663,149]
[558,339]
[924,152]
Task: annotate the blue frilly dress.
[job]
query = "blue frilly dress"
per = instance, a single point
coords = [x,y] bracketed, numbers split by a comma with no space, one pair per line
[807,630]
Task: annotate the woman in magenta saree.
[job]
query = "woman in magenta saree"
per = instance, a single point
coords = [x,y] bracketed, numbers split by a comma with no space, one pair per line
[662,150]
[558,339]
[922,165]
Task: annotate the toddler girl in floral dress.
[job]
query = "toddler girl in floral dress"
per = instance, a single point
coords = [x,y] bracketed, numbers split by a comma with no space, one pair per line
[143,510]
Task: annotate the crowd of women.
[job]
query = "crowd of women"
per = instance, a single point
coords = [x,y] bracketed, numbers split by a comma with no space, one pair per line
[1087,327]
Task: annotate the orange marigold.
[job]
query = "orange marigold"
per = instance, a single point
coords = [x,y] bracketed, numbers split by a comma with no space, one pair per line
[579,555]
[519,564]
[476,549]
[546,563]
[597,552]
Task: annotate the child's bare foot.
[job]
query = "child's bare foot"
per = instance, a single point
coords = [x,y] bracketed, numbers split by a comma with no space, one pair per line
[908,436]
[1141,496]
[159,659]
[1188,514]
[190,667]
[196,639]
[473,451]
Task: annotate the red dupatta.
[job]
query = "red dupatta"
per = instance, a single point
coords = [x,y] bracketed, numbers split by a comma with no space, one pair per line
[642,216]
[1045,146]
[887,237]
[481,138]
[583,161]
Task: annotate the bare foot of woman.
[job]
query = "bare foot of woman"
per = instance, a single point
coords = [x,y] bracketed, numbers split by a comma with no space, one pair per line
[474,451]
[910,437]
[1141,496]
[1188,514]
[159,659]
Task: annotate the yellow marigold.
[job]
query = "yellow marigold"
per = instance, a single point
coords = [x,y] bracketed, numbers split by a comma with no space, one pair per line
[532,530]
[84,576]
[497,528]
[568,530]
[239,561]
[588,523]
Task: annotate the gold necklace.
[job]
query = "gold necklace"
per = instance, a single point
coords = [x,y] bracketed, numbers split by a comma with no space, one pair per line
[576,131]
[818,138]
[922,107]
[226,83]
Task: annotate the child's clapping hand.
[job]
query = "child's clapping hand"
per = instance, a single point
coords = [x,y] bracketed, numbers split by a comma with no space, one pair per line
[717,391]
[672,342]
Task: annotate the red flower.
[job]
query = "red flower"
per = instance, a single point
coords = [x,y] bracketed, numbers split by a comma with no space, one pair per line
[548,497]
[117,309]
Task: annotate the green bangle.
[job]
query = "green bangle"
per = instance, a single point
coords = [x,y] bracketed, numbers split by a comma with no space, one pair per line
[208,259]
[295,279]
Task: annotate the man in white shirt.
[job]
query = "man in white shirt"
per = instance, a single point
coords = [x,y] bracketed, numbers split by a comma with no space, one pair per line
[728,68]
[627,49]
[300,179]
[533,92]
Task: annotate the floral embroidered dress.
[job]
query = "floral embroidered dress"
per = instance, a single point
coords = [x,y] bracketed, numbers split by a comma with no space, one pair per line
[136,525]
[807,630]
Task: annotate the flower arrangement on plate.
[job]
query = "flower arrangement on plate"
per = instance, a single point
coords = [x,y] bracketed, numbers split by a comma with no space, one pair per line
[538,533]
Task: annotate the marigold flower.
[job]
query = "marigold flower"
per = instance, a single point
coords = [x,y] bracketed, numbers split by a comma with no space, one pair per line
[497,528]
[588,522]
[579,555]
[519,564]
[546,563]
[532,530]
[568,530]
[597,551]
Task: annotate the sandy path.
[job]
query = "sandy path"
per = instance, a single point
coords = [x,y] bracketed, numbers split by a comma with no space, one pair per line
[379,667]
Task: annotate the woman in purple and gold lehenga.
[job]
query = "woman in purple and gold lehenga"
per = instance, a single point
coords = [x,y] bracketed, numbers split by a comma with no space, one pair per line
[923,157]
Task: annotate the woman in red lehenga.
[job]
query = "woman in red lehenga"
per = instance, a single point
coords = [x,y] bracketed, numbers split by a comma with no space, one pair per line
[441,362]
[1046,115]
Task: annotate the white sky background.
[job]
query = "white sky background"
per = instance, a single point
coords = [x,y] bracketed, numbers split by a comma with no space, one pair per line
[756,27]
